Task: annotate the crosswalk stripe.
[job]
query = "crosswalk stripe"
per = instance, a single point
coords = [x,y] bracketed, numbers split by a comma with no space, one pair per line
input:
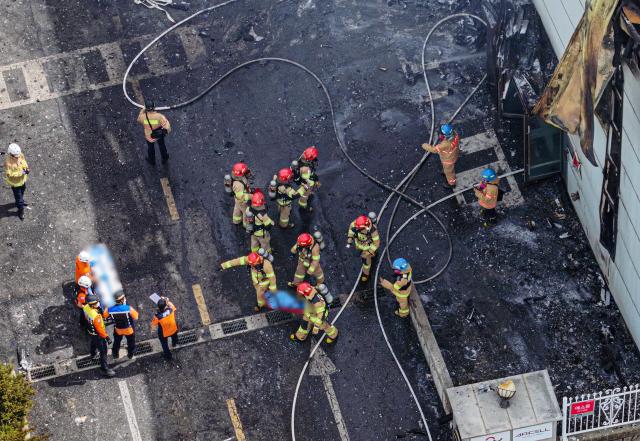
[37,83]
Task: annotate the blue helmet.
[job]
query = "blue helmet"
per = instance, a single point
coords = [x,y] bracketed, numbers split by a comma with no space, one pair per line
[400,264]
[489,174]
[446,130]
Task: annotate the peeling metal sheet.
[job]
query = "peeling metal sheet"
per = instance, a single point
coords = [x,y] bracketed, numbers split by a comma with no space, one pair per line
[586,67]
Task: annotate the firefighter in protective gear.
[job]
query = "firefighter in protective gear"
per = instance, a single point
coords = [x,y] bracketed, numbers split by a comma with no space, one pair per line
[124,318]
[448,151]
[263,276]
[315,315]
[262,223]
[308,259]
[308,179]
[285,194]
[240,175]
[152,121]
[97,332]
[367,241]
[401,287]
[487,192]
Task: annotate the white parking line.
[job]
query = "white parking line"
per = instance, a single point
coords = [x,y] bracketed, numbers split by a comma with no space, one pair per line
[128,409]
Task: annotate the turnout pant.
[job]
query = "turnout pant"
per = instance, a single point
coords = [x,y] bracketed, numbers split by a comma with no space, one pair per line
[239,212]
[367,259]
[285,214]
[99,345]
[316,322]
[117,341]
[303,202]
[403,304]
[489,215]
[301,271]
[164,342]
[151,150]
[260,290]
[450,173]
[263,241]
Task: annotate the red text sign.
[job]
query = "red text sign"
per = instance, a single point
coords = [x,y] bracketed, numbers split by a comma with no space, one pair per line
[582,407]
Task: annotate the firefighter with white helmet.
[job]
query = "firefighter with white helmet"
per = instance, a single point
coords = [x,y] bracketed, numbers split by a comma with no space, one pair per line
[16,173]
[308,251]
[401,287]
[263,277]
[315,315]
[364,234]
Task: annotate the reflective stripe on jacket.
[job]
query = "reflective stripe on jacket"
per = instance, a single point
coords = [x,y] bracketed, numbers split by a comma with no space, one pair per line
[261,222]
[14,170]
[365,241]
[402,285]
[488,196]
[124,317]
[241,190]
[156,119]
[264,277]
[94,322]
[447,149]
[286,193]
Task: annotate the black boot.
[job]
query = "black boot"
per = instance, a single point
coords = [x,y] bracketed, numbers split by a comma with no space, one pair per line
[21,213]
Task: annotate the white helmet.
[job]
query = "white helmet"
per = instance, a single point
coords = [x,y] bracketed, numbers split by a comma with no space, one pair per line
[84,282]
[84,256]
[14,149]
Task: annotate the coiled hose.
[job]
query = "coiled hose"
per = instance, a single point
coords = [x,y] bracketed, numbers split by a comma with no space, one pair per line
[395,191]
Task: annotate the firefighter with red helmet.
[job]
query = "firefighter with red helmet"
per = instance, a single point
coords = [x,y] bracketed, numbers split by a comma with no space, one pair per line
[307,177]
[260,223]
[308,251]
[364,233]
[240,175]
[448,150]
[263,277]
[285,194]
[315,315]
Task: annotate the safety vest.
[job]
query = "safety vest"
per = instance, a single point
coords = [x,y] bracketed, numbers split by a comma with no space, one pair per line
[90,314]
[166,320]
[402,285]
[124,317]
[13,171]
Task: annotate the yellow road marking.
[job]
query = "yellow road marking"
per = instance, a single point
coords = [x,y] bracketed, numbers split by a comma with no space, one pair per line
[235,420]
[168,195]
[202,306]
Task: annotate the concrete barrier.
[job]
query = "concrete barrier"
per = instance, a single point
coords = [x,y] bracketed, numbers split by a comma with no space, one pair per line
[431,350]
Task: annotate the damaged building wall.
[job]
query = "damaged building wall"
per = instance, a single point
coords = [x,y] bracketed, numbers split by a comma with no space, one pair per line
[560,18]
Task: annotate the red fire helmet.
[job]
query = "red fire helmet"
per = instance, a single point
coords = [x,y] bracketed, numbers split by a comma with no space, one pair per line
[363,222]
[310,154]
[240,169]
[257,199]
[254,259]
[285,175]
[305,240]
[305,289]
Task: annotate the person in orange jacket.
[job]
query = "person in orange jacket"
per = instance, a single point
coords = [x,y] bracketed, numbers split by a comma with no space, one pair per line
[98,333]
[83,265]
[165,320]
[124,318]
[488,192]
[448,151]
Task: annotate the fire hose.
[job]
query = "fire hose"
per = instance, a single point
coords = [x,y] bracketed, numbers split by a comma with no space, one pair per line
[398,190]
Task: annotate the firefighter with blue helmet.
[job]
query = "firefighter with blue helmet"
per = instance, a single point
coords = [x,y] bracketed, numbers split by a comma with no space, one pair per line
[401,287]
[447,149]
[488,192]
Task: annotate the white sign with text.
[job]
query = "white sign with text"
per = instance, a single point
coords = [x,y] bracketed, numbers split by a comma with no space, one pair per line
[533,433]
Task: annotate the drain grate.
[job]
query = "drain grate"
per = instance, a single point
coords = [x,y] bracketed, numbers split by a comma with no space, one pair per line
[234,326]
[143,348]
[187,337]
[274,317]
[42,372]
[86,362]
